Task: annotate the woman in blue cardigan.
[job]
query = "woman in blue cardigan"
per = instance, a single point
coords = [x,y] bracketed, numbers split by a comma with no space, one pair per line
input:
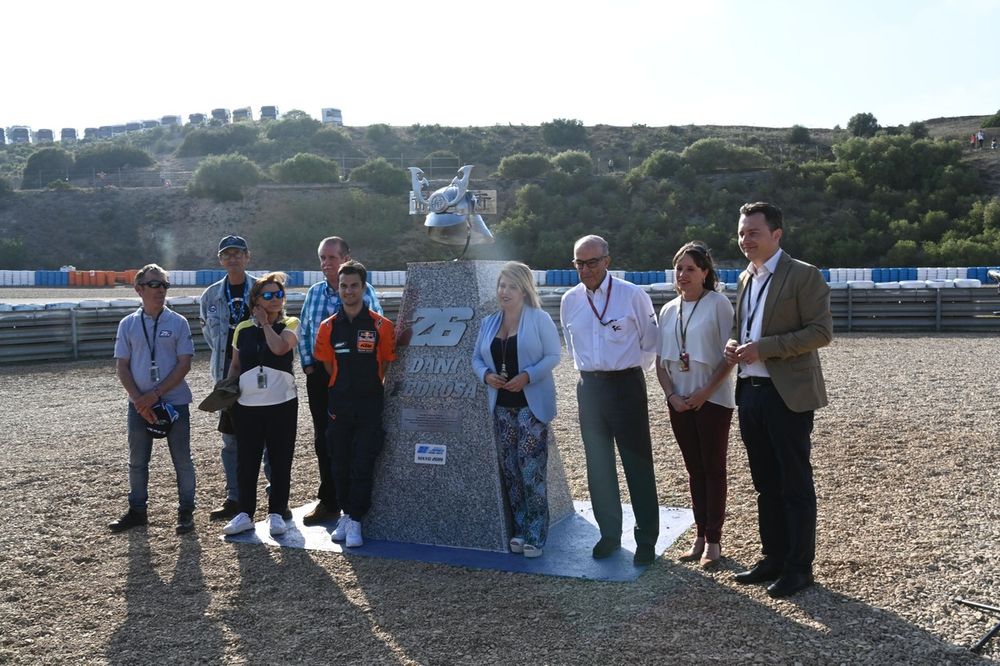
[517,349]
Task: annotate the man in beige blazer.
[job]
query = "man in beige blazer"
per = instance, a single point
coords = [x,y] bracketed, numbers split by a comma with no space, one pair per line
[782,318]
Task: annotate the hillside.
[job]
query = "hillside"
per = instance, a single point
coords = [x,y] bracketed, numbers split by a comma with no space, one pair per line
[646,188]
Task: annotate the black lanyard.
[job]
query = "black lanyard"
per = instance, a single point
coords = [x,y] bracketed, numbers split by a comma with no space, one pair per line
[235,317]
[156,324]
[680,322]
[753,311]
[607,302]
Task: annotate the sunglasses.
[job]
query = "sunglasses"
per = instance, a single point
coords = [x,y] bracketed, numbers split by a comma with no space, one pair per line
[268,295]
[156,284]
[588,263]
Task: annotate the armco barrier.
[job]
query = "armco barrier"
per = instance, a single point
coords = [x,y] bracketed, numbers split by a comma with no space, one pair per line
[89,332]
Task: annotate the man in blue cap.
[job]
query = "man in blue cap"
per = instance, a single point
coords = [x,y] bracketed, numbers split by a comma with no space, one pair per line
[224,305]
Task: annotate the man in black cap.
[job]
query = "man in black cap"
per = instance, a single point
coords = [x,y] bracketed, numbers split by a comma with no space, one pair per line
[224,305]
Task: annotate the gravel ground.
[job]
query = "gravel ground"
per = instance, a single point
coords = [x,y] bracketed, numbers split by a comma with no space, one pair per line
[907,478]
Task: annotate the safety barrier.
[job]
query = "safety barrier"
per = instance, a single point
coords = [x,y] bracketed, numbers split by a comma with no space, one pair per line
[86,329]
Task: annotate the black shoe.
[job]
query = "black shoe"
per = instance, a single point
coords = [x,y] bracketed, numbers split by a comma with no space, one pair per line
[762,572]
[606,548]
[320,514]
[644,556]
[789,583]
[227,511]
[185,521]
[286,514]
[131,519]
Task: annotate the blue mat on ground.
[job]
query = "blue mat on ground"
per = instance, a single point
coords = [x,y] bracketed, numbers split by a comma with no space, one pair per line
[567,551]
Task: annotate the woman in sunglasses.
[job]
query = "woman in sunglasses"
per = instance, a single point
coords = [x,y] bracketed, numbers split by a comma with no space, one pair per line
[266,413]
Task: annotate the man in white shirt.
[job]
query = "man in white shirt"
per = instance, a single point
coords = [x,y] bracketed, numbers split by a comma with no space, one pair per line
[610,330]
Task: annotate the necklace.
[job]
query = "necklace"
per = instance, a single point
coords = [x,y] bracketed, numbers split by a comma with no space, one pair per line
[685,359]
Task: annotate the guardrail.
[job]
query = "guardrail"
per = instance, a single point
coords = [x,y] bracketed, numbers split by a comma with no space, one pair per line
[89,332]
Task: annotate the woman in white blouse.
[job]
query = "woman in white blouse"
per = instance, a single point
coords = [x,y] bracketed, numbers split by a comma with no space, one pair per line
[698,385]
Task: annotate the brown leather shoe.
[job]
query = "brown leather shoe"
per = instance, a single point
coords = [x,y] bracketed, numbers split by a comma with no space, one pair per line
[228,510]
[320,514]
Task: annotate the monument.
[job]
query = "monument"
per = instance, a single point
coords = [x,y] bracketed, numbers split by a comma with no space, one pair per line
[438,480]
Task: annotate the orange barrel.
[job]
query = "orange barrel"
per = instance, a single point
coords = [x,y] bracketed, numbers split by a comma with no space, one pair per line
[100,278]
[74,278]
[85,279]
[109,278]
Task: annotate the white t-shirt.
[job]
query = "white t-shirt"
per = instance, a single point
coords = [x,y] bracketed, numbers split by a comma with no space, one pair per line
[707,329]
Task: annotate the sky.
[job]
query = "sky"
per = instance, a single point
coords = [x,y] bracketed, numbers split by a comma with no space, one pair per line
[768,63]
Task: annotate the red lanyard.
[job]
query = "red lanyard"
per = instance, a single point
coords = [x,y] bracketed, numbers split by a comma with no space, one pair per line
[607,302]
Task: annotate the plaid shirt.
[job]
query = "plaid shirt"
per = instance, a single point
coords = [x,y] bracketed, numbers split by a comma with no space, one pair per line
[321,302]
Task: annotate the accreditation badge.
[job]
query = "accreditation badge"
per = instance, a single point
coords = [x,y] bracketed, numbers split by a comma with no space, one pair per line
[685,362]
[366,341]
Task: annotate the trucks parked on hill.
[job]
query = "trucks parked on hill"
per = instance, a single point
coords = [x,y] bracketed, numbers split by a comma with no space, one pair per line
[196,119]
[268,113]
[67,135]
[19,134]
[44,136]
[242,114]
[171,121]
[332,117]
[221,116]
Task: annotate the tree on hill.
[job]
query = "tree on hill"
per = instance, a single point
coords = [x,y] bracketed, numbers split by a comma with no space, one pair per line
[863,124]
[45,165]
[218,140]
[562,132]
[799,134]
[293,125]
[382,177]
[223,177]
[708,155]
[992,121]
[522,165]
[110,157]
[306,168]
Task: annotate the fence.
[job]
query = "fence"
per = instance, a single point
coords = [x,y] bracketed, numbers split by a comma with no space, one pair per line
[87,329]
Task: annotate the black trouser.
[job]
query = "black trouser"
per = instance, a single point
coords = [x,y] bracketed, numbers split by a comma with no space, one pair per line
[778,447]
[270,427]
[318,390]
[355,438]
[614,409]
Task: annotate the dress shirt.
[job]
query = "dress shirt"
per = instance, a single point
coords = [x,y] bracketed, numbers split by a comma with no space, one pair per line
[628,338]
[757,279]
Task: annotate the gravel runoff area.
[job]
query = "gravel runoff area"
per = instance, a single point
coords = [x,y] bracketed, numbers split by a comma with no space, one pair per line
[907,478]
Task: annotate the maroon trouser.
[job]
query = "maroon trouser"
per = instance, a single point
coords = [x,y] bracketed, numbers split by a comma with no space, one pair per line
[703,437]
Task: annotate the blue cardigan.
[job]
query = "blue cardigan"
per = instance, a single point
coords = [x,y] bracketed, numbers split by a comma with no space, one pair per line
[538,351]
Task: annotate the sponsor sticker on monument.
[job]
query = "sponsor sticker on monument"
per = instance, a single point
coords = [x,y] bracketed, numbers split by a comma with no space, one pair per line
[430,454]
[427,420]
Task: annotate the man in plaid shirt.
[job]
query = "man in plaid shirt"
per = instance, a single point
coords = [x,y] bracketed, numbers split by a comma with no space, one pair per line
[322,300]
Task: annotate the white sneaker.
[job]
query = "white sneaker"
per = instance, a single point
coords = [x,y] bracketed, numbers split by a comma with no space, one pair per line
[275,524]
[532,551]
[241,523]
[340,531]
[517,545]
[353,534]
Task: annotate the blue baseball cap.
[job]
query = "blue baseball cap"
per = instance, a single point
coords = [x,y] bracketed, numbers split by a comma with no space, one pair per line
[237,242]
[165,417]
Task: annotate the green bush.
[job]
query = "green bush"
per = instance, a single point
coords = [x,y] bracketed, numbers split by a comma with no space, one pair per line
[306,168]
[574,162]
[331,141]
[218,140]
[382,177]
[223,177]
[661,164]
[563,132]
[61,185]
[863,125]
[13,254]
[523,165]
[799,135]
[708,155]
[110,157]
[992,121]
[5,188]
[293,125]
[918,130]
[46,164]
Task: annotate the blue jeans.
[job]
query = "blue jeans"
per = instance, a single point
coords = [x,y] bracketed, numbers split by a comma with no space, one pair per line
[140,449]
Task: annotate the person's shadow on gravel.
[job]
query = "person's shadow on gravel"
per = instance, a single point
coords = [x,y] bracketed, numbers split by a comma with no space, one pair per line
[165,620]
